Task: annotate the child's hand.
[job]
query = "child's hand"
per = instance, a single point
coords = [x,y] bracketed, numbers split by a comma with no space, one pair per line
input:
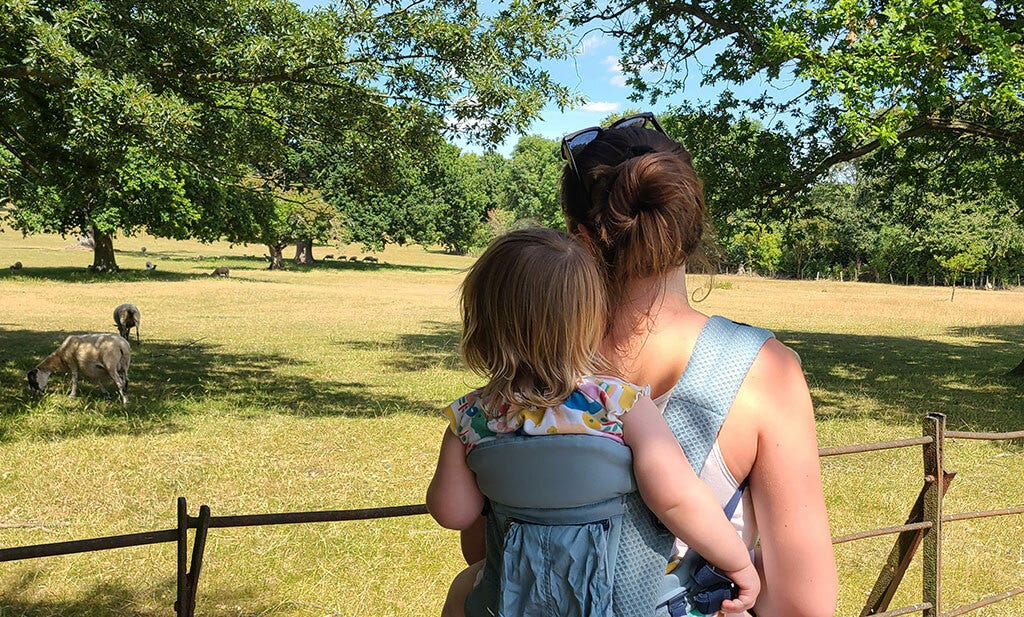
[749,583]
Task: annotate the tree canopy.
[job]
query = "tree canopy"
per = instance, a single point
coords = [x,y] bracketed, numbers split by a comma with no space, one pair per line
[852,76]
[120,116]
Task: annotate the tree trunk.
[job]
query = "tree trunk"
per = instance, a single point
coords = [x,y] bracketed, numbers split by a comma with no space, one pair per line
[304,252]
[103,252]
[1017,371]
[276,259]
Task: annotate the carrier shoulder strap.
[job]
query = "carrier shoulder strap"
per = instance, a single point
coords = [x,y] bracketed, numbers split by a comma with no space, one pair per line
[703,395]
[696,409]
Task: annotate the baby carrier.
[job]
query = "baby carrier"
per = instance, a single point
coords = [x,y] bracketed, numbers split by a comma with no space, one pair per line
[568,533]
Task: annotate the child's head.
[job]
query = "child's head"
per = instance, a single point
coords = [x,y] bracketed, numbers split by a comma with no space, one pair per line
[533,315]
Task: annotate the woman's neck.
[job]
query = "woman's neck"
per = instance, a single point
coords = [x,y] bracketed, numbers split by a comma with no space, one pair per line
[654,312]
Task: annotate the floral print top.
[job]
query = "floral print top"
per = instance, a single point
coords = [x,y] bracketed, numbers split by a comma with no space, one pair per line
[594,408]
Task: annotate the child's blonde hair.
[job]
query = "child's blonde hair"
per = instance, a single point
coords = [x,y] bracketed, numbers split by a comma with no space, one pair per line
[533,315]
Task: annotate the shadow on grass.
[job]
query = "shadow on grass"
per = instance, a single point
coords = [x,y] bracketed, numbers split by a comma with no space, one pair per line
[438,348]
[118,600]
[893,380]
[896,380]
[331,264]
[71,274]
[68,274]
[168,379]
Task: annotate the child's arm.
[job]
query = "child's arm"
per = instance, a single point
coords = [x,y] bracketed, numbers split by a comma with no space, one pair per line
[683,503]
[453,497]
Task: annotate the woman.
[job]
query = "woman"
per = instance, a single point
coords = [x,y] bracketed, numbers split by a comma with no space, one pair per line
[631,195]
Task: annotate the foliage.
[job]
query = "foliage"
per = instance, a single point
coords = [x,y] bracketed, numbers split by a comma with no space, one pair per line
[534,181]
[123,117]
[865,74]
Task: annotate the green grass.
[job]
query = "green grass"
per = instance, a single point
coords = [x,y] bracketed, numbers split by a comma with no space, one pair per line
[318,388]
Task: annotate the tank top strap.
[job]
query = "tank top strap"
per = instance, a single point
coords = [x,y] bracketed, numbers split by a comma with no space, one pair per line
[701,398]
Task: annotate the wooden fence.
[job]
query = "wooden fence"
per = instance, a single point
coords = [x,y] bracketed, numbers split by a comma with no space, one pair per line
[923,526]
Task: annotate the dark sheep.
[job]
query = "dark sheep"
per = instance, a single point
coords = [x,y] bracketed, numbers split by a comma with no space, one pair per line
[126,317]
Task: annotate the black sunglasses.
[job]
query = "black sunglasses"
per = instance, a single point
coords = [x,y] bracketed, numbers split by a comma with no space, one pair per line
[574,143]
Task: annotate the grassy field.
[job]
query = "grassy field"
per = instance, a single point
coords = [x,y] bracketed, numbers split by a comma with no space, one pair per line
[318,388]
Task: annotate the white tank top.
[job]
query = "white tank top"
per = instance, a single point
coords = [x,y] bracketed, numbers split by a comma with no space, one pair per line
[721,482]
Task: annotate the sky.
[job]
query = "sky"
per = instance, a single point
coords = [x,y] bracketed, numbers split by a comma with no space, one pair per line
[595,74]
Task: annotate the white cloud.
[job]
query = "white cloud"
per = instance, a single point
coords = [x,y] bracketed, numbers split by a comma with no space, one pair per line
[612,62]
[589,43]
[600,107]
[615,68]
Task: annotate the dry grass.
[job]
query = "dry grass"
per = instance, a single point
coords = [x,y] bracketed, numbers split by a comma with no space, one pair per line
[317,388]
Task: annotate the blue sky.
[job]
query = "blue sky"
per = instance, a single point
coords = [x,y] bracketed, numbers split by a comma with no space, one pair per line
[595,74]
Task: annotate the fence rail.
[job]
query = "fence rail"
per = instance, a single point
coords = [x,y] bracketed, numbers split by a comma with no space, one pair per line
[923,525]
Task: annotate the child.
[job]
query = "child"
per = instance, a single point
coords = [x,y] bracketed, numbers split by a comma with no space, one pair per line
[533,310]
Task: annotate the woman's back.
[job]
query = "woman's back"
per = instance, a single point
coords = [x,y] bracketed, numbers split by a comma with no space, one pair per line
[767,438]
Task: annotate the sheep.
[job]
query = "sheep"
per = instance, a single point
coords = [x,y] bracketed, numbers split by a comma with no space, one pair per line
[221,271]
[150,265]
[16,266]
[94,355]
[126,317]
[143,249]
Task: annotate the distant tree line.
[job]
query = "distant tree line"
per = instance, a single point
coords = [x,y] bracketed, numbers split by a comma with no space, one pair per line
[927,211]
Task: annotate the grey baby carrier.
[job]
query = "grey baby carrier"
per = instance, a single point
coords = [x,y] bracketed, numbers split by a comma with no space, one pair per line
[567,532]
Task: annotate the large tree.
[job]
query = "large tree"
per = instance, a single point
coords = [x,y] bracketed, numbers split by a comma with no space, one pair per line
[851,76]
[121,116]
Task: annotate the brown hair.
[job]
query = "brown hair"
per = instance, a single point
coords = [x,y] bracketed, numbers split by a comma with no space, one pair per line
[640,202]
[533,315]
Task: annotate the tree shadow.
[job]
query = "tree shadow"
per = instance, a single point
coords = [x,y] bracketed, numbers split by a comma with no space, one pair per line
[896,380]
[118,600]
[436,349]
[169,378]
[69,274]
[368,266]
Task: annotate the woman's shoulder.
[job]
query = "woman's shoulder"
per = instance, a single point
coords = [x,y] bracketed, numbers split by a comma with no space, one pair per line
[774,387]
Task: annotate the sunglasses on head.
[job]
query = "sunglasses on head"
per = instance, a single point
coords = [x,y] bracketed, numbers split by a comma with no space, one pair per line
[574,143]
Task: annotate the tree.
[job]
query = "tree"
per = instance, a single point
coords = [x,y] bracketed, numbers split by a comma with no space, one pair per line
[534,181]
[867,74]
[118,117]
[294,218]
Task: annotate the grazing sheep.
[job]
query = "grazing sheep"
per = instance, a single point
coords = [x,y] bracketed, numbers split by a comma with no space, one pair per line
[150,265]
[126,317]
[143,249]
[16,265]
[371,259]
[164,257]
[94,355]
[221,271]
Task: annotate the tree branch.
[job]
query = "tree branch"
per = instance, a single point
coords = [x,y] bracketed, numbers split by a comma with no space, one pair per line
[23,71]
[696,10]
[925,125]
[24,161]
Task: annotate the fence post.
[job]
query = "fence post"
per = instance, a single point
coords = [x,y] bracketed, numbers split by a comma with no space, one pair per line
[181,604]
[931,591]
[198,546]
